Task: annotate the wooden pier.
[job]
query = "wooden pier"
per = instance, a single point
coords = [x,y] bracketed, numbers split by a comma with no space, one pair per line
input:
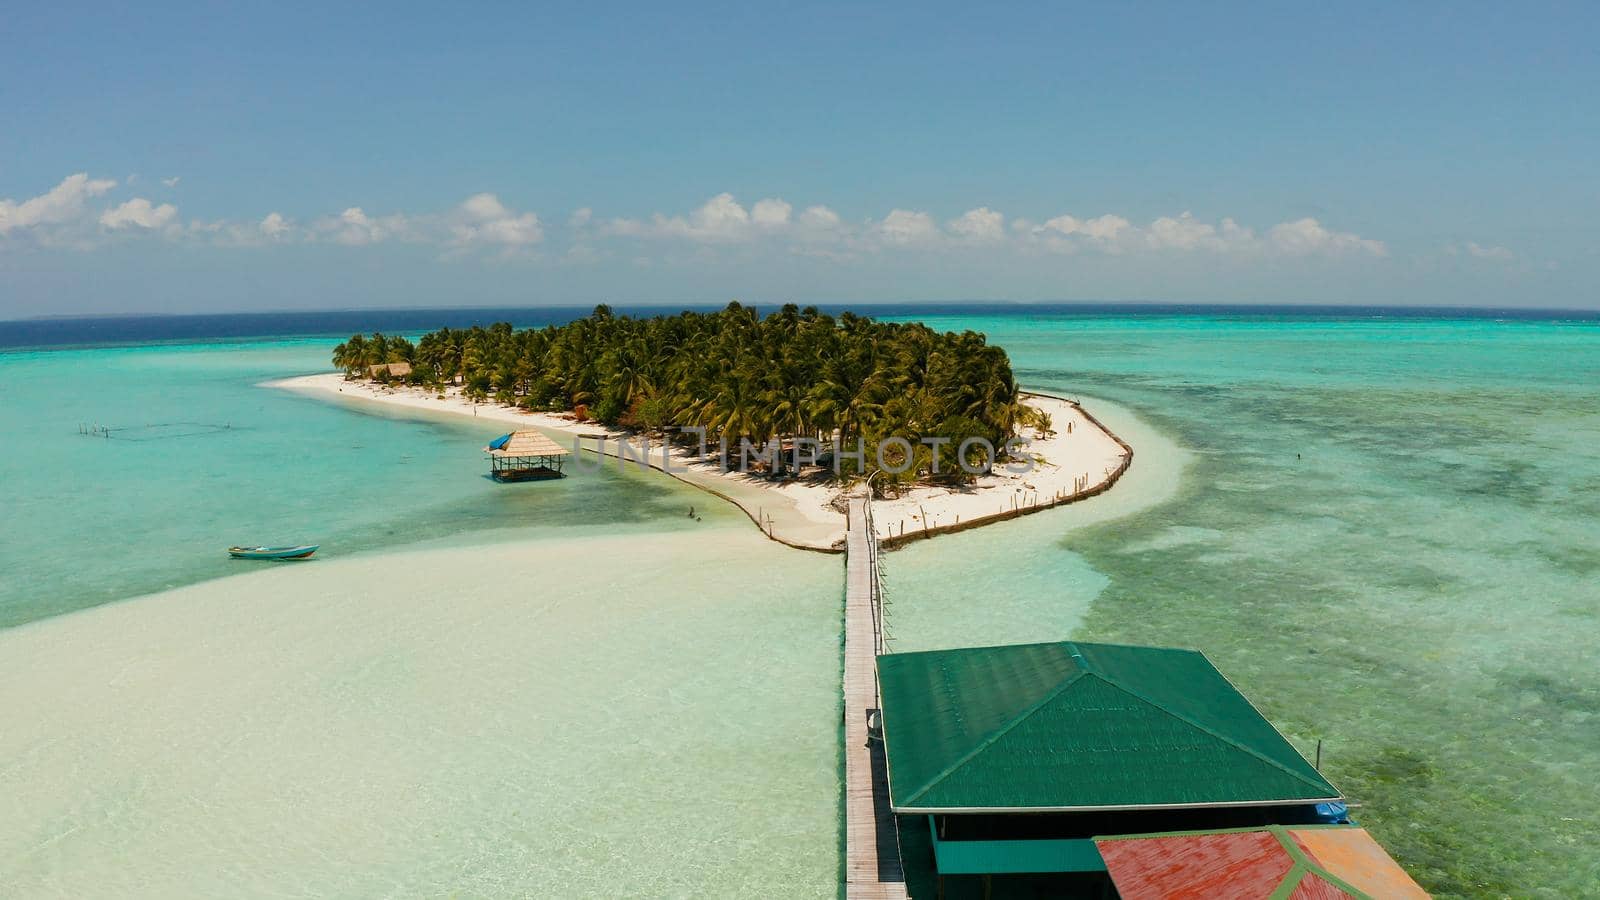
[872,840]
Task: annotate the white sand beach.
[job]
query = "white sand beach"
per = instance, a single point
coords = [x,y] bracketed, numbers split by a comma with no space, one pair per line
[1079,456]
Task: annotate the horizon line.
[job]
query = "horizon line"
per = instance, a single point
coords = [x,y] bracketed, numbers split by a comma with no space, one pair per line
[1477,311]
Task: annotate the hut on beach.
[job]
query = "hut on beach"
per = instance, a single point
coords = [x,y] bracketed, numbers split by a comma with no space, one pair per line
[389,370]
[524,455]
[1007,763]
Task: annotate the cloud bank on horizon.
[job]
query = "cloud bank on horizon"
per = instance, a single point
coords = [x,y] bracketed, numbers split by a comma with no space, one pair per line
[81,214]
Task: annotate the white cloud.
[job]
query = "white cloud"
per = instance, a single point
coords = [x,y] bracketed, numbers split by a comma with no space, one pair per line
[272,228]
[483,219]
[982,224]
[722,219]
[770,213]
[1489,252]
[1099,228]
[484,208]
[904,227]
[1307,236]
[480,220]
[275,227]
[355,228]
[62,204]
[721,215]
[819,218]
[1067,234]
[352,226]
[719,220]
[625,227]
[1184,233]
[818,230]
[171,182]
[138,213]
[74,213]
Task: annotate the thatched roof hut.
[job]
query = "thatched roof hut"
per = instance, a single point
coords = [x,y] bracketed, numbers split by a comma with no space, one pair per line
[526,443]
[525,454]
[393,370]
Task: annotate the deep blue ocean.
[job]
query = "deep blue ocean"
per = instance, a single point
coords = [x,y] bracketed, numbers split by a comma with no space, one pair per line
[82,331]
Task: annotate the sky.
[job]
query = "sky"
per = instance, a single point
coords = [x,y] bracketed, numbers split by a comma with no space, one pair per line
[162,157]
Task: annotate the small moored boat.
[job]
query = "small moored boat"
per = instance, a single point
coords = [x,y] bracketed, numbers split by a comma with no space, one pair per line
[303,551]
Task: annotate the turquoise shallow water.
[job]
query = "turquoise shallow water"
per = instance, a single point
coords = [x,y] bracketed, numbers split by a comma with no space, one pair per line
[537,697]
[201,458]
[547,717]
[1386,535]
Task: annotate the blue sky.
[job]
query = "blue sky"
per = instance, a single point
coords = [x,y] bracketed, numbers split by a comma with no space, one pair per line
[171,158]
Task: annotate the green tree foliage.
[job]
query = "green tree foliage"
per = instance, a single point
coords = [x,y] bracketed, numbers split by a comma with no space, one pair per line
[795,373]
[359,353]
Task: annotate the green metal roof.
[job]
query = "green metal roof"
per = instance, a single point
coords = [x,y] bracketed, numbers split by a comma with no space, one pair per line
[1070,725]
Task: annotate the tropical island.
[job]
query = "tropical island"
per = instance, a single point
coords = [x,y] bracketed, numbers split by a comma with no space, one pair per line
[794,374]
[780,414]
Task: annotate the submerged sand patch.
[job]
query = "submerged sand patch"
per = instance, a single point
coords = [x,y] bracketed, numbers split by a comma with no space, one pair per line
[651,714]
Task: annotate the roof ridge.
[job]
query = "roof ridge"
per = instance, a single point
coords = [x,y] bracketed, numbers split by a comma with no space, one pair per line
[1230,742]
[1122,646]
[1077,653]
[1000,732]
[948,651]
[1308,865]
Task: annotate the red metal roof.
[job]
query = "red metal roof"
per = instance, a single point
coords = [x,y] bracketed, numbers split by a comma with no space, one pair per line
[1321,862]
[1315,887]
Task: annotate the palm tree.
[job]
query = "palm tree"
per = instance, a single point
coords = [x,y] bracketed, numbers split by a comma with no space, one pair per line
[736,410]
[794,373]
[345,355]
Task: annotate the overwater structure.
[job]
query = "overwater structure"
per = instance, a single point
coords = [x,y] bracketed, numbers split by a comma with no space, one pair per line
[525,455]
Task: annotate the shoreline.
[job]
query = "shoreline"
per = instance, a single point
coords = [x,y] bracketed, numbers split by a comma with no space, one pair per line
[1081,458]
[1092,489]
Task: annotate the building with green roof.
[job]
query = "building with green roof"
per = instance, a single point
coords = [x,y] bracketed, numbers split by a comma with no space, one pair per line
[1019,755]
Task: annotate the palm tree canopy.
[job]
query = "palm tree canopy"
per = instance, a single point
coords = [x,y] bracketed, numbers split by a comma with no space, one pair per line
[793,373]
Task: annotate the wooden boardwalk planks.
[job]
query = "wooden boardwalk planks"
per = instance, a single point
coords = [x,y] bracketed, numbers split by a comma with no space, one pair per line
[872,846]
